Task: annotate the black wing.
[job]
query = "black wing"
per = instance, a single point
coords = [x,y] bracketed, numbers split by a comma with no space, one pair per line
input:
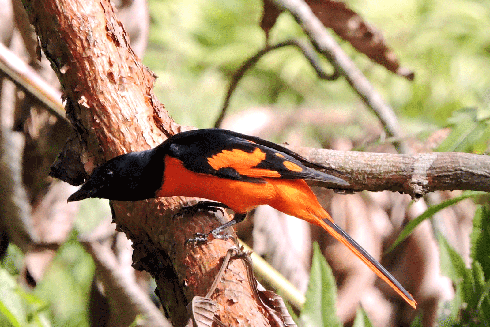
[237,156]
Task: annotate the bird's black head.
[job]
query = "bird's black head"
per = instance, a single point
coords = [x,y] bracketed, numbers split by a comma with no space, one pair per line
[129,177]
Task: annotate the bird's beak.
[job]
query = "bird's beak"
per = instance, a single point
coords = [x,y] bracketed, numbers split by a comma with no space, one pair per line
[81,194]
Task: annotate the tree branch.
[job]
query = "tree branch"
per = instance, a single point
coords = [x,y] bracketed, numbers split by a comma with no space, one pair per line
[416,175]
[326,45]
[27,79]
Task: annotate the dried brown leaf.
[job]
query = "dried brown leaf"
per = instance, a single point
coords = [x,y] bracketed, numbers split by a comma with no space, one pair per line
[276,302]
[351,27]
[203,311]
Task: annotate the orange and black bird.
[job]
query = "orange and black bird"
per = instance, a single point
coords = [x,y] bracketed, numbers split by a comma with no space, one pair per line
[238,171]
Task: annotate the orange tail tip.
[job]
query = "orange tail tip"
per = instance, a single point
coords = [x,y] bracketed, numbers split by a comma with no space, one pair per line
[372,263]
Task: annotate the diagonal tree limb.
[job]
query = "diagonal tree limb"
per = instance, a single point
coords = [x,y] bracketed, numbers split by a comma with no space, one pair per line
[127,298]
[325,44]
[27,79]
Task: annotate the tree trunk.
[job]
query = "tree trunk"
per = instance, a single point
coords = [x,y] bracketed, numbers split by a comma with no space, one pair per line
[110,102]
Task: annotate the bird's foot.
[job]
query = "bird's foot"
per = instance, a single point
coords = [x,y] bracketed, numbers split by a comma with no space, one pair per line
[200,238]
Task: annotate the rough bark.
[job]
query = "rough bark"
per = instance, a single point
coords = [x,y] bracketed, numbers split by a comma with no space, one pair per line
[416,175]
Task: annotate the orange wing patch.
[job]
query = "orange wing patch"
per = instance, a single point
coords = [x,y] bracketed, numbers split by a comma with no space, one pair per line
[236,158]
[292,166]
[243,162]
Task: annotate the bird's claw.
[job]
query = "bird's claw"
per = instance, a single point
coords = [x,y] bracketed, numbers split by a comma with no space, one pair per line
[218,233]
[198,238]
[221,235]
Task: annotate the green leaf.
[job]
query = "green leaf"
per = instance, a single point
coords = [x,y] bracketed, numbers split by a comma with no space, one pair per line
[469,132]
[484,298]
[66,285]
[18,307]
[428,214]
[474,294]
[480,238]
[417,322]
[11,307]
[319,308]
[7,317]
[362,320]
[480,243]
[471,288]
[452,265]
[479,299]
[479,280]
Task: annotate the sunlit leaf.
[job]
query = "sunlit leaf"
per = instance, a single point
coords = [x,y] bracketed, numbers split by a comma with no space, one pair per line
[11,308]
[362,320]
[471,303]
[480,239]
[319,308]
[469,132]
[428,214]
[452,266]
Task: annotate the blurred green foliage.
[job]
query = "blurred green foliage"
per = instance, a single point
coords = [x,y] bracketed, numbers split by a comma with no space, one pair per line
[471,305]
[66,286]
[19,308]
[429,213]
[446,45]
[362,320]
[60,299]
[470,131]
[200,54]
[196,46]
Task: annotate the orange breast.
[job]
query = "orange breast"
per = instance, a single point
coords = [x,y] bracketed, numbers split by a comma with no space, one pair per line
[291,196]
[240,196]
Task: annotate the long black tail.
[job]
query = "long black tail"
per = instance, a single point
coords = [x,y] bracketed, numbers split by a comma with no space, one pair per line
[372,263]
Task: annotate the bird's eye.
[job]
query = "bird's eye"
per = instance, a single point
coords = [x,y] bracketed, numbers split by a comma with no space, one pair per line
[106,175]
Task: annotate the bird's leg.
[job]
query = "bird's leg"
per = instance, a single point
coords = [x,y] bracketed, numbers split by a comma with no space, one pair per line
[238,218]
[217,232]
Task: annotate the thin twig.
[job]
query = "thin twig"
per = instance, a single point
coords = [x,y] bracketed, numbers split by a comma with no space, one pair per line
[231,253]
[305,48]
[26,78]
[325,44]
